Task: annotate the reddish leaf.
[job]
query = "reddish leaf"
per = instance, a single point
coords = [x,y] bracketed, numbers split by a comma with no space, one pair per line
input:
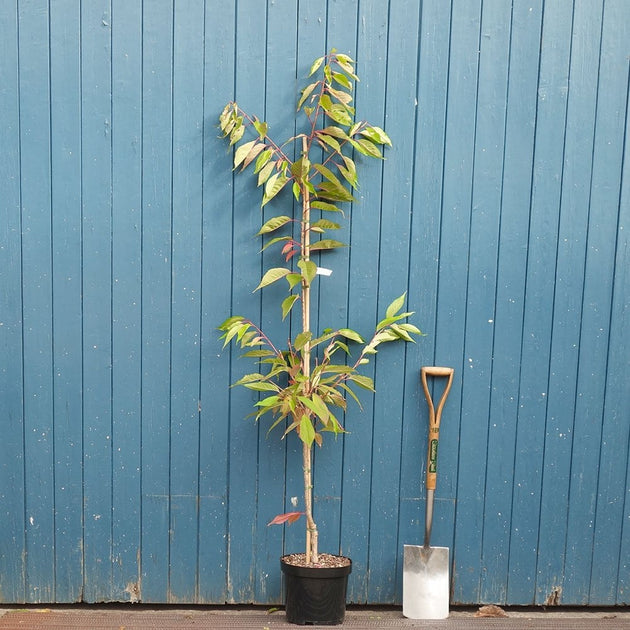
[289,517]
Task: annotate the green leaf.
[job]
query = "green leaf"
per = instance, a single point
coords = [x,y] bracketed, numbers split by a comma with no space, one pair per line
[261,128]
[254,151]
[295,187]
[348,333]
[327,174]
[348,68]
[273,186]
[273,241]
[364,382]
[339,114]
[354,396]
[300,168]
[396,305]
[262,159]
[366,147]
[325,102]
[341,96]
[272,276]
[293,279]
[241,153]
[317,406]
[376,134]
[273,224]
[332,192]
[330,141]
[322,205]
[326,243]
[340,344]
[316,66]
[306,431]
[325,225]
[308,269]
[411,328]
[342,79]
[258,354]
[343,57]
[265,173]
[287,304]
[336,132]
[301,340]
[249,378]
[270,401]
[236,134]
[402,334]
[349,174]
[262,386]
[306,92]
[382,337]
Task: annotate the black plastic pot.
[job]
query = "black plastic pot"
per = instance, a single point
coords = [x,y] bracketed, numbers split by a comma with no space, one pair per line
[315,595]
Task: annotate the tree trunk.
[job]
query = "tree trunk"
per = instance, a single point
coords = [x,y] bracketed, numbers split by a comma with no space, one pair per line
[307,449]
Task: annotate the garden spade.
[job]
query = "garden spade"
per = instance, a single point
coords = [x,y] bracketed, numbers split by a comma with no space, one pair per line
[425,569]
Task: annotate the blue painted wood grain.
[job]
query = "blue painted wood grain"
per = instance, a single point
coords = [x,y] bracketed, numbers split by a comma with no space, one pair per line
[215,372]
[129,468]
[562,431]
[12,495]
[96,228]
[604,227]
[157,165]
[185,299]
[512,275]
[126,300]
[67,311]
[36,267]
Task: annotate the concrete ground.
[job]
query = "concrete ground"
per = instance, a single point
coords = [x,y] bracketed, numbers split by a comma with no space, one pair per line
[135,617]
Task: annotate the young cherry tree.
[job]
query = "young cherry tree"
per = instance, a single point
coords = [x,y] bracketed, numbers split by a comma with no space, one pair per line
[303,384]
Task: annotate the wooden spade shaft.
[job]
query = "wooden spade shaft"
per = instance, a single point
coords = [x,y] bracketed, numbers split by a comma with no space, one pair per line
[435,417]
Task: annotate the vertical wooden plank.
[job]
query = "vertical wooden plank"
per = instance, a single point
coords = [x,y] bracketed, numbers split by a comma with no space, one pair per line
[431,91]
[157,64]
[481,314]
[362,298]
[539,290]
[97,286]
[476,430]
[275,106]
[186,289]
[65,71]
[564,436]
[601,393]
[451,306]
[12,542]
[37,299]
[126,297]
[399,107]
[512,267]
[243,439]
[617,383]
[219,53]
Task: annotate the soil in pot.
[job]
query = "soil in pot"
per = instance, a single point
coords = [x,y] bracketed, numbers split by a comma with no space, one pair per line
[316,594]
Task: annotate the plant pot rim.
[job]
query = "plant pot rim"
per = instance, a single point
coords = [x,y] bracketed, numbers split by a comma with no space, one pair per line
[316,572]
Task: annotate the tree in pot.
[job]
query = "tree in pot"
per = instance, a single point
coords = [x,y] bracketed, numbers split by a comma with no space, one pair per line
[302,384]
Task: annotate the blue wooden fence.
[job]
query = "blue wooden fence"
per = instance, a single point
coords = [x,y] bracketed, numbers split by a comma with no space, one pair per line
[128,469]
